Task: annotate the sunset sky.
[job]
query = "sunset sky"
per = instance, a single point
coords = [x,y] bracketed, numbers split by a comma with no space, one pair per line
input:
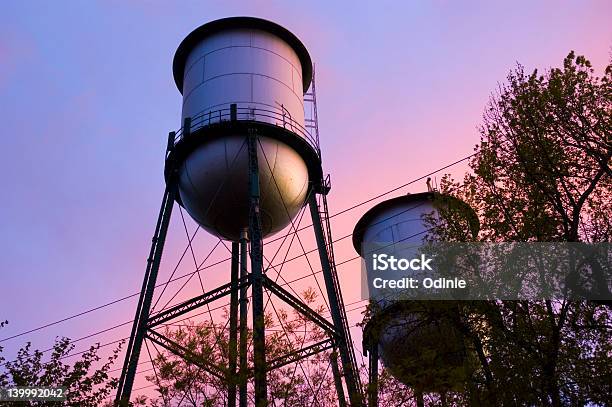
[87,100]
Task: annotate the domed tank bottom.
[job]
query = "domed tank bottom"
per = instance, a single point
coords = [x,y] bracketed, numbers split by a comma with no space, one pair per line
[214,185]
[423,349]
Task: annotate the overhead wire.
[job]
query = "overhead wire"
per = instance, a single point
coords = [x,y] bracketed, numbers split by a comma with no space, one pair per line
[225,260]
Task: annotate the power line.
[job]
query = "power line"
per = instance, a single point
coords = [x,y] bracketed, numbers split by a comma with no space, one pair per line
[358,308]
[405,185]
[70,317]
[287,283]
[222,261]
[183,319]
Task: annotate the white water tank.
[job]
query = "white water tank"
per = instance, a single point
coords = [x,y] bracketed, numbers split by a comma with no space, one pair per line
[251,62]
[238,76]
[417,340]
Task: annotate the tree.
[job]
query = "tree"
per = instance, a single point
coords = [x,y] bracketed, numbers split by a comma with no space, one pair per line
[310,382]
[542,174]
[86,386]
[542,170]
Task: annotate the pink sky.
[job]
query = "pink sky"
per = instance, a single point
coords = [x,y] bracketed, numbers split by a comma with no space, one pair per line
[88,99]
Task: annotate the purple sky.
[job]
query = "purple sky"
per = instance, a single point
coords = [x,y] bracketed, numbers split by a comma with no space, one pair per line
[87,99]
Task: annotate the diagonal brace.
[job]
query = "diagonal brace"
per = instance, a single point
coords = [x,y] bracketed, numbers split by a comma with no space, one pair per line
[186,354]
[301,354]
[296,303]
[194,303]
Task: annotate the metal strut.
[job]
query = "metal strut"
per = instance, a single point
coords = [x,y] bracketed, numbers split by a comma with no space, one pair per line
[243,345]
[300,307]
[300,354]
[345,344]
[255,235]
[373,375]
[139,328]
[186,354]
[333,357]
[233,334]
[196,302]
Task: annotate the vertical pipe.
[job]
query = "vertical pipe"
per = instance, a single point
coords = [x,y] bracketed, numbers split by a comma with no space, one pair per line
[255,236]
[347,366]
[337,378]
[233,334]
[243,321]
[373,376]
[186,128]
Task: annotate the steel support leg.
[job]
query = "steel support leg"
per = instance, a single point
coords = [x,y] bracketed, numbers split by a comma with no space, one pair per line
[373,376]
[243,322]
[348,368]
[139,328]
[337,380]
[256,238]
[233,334]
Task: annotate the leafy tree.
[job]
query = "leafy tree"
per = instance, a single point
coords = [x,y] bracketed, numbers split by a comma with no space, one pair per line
[180,382]
[542,174]
[542,169]
[86,386]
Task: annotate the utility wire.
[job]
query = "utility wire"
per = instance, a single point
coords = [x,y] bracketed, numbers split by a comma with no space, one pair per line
[180,320]
[222,261]
[361,307]
[286,283]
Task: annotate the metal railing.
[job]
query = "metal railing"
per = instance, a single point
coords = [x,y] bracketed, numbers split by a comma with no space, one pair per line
[279,117]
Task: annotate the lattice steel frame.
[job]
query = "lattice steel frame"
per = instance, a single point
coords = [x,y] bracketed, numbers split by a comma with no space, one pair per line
[236,374]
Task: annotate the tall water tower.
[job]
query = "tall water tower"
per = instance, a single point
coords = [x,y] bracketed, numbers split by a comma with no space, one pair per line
[243,164]
[416,340]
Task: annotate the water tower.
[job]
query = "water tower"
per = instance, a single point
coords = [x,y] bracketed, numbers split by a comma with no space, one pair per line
[242,165]
[416,340]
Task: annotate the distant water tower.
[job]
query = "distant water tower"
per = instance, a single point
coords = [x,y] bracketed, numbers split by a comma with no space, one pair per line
[416,340]
[243,164]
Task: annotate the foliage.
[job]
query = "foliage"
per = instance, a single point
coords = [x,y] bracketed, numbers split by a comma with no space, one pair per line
[179,381]
[542,169]
[541,173]
[85,385]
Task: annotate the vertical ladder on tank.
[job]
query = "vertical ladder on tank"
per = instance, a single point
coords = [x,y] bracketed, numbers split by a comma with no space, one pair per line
[312,125]
[311,122]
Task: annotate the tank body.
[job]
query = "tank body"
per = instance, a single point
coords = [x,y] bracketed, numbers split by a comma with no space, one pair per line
[214,182]
[417,340]
[240,70]
[398,222]
[253,68]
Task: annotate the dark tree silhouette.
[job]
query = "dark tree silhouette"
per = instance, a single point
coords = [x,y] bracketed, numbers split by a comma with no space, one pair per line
[542,174]
[87,384]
